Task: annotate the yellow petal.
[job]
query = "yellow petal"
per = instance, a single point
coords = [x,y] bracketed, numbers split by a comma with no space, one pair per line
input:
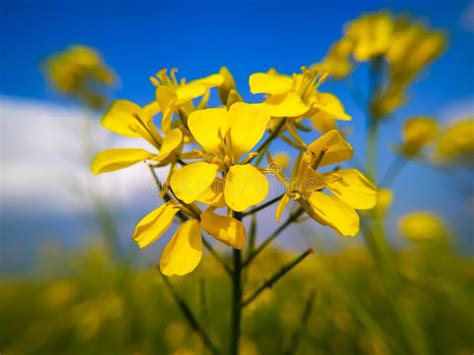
[205,126]
[152,108]
[187,92]
[353,188]
[165,97]
[286,105]
[170,143]
[184,251]
[281,206]
[418,132]
[338,149]
[121,115]
[334,213]
[189,182]
[264,83]
[154,224]
[209,81]
[228,230]
[323,122]
[247,126]
[331,105]
[245,186]
[118,158]
[214,195]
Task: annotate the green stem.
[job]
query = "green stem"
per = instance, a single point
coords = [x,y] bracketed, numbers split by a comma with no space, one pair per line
[275,277]
[292,218]
[262,206]
[188,314]
[295,338]
[262,148]
[236,300]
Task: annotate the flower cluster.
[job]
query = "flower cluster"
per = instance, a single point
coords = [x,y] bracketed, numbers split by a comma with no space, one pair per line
[406,46]
[213,156]
[80,72]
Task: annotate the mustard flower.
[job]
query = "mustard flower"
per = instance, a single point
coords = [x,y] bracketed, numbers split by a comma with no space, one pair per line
[422,226]
[456,143]
[417,133]
[349,189]
[225,136]
[80,71]
[183,252]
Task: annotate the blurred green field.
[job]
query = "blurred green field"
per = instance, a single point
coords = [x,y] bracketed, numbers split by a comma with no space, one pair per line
[96,307]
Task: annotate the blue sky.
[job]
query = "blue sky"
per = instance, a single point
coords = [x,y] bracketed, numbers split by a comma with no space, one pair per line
[140,37]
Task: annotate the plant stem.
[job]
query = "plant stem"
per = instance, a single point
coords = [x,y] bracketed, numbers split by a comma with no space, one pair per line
[275,277]
[262,206]
[261,149]
[188,314]
[295,339]
[236,300]
[291,218]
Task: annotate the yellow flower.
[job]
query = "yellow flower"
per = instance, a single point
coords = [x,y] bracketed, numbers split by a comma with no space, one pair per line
[128,119]
[337,62]
[225,135]
[422,225]
[350,189]
[296,96]
[384,200]
[456,143]
[282,160]
[371,35]
[183,252]
[80,71]
[417,133]
[171,94]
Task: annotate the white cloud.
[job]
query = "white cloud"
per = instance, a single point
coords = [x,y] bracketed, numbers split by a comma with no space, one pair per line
[45,152]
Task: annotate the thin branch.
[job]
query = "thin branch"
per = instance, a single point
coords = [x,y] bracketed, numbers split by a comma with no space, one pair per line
[188,314]
[271,137]
[262,206]
[291,218]
[393,171]
[295,339]
[275,277]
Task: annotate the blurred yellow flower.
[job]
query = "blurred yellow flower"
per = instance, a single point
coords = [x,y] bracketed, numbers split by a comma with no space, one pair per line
[282,160]
[417,133]
[80,72]
[350,189]
[456,143]
[384,199]
[371,35]
[422,225]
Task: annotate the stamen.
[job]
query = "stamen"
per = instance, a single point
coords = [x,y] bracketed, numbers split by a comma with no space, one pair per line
[320,157]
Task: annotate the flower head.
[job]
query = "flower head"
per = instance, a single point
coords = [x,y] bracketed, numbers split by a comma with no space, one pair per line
[349,189]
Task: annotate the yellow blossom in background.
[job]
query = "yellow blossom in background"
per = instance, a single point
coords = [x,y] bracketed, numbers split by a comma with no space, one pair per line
[384,200]
[417,133]
[404,46]
[422,226]
[282,160]
[371,34]
[456,143]
[80,72]
[349,189]
[337,62]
